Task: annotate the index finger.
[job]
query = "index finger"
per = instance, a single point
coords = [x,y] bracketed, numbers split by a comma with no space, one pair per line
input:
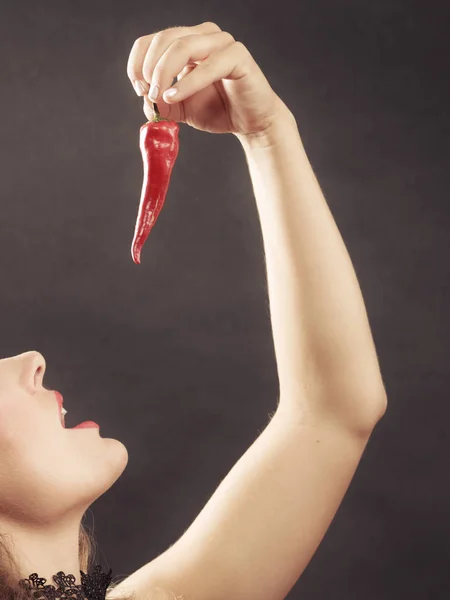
[140,48]
[136,60]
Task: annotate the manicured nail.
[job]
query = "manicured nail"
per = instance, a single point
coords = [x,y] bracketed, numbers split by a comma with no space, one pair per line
[154,90]
[139,87]
[170,93]
[148,108]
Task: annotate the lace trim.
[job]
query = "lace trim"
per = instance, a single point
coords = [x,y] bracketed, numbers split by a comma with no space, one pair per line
[93,586]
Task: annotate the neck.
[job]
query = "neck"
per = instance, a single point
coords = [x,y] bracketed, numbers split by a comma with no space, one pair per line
[45,550]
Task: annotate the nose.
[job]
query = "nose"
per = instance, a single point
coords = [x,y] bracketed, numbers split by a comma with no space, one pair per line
[34,367]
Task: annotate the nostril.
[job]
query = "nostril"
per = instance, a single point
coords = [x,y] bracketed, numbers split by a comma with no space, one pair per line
[39,375]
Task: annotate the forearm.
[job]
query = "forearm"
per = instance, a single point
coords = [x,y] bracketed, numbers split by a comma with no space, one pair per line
[324,348]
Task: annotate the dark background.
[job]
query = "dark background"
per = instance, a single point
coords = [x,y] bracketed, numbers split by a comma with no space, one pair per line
[175,357]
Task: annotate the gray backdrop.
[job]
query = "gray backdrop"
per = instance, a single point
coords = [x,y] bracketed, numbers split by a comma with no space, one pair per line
[175,357]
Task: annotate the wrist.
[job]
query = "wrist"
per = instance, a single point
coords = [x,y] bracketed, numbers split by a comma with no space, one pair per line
[273,134]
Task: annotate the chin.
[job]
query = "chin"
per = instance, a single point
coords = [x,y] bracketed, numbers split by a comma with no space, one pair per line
[106,470]
[117,456]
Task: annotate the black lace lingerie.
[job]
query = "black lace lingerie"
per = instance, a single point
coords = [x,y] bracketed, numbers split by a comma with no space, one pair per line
[93,586]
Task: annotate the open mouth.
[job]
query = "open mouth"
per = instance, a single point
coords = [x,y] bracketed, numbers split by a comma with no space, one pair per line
[83,425]
[63,413]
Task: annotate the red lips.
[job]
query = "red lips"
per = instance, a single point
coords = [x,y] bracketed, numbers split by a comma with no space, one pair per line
[59,399]
[84,425]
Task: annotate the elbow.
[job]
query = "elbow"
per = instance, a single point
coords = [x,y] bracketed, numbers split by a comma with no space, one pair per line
[357,408]
[372,410]
[358,411]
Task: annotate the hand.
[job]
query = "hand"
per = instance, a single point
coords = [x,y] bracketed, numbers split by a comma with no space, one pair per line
[220,88]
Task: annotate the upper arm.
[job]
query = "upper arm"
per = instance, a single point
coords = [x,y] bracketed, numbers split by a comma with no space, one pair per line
[260,528]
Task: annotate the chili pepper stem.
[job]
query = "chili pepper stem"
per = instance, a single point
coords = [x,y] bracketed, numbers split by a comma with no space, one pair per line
[157,116]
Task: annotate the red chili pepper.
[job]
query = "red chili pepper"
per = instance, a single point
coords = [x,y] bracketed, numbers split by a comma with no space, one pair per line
[159,144]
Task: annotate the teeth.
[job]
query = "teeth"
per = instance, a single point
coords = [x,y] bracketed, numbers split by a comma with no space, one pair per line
[63,411]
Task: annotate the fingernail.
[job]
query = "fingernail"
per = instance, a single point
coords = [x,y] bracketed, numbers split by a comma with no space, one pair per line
[170,93]
[148,107]
[153,94]
[139,87]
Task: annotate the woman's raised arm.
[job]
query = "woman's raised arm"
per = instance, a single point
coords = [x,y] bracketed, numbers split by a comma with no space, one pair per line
[260,528]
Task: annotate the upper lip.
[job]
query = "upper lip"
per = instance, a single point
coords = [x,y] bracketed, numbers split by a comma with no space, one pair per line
[60,400]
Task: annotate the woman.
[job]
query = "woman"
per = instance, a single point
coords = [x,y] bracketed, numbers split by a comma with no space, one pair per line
[263,524]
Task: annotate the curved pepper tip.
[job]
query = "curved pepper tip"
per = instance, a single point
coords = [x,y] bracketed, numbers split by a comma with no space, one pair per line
[136,256]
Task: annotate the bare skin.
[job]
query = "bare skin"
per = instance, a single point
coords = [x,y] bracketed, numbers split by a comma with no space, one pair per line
[260,528]
[47,485]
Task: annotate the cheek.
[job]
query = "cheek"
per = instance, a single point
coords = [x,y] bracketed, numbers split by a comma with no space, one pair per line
[32,455]
[11,421]
[24,428]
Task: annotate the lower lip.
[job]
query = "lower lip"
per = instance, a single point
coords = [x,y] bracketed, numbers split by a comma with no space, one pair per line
[86,425]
